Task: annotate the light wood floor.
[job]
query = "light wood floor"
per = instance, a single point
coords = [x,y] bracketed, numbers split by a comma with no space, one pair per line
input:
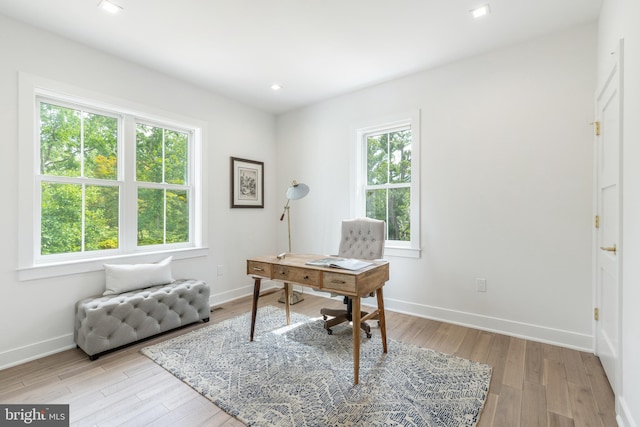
[532,384]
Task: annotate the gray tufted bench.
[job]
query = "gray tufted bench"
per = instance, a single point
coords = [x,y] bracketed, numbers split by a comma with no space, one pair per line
[104,323]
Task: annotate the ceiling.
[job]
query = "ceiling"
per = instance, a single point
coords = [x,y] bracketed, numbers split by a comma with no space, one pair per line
[315,49]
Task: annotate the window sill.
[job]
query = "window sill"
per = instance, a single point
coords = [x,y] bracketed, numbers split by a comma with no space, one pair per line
[86,266]
[396,251]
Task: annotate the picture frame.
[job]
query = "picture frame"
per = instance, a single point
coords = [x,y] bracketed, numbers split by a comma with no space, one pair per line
[247,183]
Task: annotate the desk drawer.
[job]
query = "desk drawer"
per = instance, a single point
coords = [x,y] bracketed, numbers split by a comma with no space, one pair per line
[339,282]
[301,276]
[262,269]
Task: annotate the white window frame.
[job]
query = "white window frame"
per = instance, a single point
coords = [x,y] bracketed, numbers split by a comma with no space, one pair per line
[411,248]
[33,265]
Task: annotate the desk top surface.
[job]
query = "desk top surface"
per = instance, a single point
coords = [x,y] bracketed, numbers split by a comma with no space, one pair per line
[300,260]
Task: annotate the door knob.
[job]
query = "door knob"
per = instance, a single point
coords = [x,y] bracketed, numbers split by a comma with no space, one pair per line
[609,248]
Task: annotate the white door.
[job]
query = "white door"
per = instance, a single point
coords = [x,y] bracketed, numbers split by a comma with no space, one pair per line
[608,236]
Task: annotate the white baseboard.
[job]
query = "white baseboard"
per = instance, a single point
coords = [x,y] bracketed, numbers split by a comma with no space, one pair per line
[624,417]
[562,338]
[27,353]
[225,297]
[573,340]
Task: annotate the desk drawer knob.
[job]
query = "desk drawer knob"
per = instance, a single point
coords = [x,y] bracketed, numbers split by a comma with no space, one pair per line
[306,277]
[258,269]
[342,282]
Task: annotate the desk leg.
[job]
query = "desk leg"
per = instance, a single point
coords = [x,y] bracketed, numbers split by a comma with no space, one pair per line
[355,317]
[254,306]
[287,300]
[381,319]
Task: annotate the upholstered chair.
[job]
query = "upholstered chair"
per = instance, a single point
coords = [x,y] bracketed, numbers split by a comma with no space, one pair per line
[362,238]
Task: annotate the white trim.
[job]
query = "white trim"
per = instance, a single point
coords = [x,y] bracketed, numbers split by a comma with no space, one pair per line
[576,341]
[528,331]
[33,266]
[559,337]
[624,417]
[241,292]
[395,251]
[97,264]
[19,355]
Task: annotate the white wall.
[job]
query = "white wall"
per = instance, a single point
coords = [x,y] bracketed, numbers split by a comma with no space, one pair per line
[506,185]
[619,19]
[37,315]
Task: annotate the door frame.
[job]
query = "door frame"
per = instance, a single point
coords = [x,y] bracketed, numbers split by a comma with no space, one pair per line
[615,71]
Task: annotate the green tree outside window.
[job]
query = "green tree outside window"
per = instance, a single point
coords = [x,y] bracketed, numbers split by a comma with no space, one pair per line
[80,186]
[162,157]
[388,192]
[76,145]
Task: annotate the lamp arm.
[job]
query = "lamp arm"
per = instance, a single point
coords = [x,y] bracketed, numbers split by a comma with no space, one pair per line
[285,209]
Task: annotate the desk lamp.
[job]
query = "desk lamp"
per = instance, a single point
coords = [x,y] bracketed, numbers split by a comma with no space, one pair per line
[295,192]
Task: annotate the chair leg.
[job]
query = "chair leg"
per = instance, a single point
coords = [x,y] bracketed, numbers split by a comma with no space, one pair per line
[365,327]
[332,312]
[335,320]
[340,316]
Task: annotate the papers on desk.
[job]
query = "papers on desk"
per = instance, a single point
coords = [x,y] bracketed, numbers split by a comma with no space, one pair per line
[347,264]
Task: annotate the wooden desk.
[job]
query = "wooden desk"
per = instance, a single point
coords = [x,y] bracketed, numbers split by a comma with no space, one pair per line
[354,284]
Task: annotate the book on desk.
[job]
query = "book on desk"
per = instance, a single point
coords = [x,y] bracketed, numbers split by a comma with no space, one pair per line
[344,263]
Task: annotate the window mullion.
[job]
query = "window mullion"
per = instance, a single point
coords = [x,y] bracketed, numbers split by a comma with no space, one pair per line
[83,223]
[164,190]
[162,153]
[83,187]
[129,186]
[81,154]
[164,216]
[388,181]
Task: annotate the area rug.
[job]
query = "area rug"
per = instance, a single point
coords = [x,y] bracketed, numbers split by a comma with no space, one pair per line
[299,375]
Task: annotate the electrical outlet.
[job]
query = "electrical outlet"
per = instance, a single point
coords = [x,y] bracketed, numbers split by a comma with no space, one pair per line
[481,285]
[220,270]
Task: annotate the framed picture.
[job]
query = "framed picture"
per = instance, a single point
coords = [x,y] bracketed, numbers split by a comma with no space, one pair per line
[247,183]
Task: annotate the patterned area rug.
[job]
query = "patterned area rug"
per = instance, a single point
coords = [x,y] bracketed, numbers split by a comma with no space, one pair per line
[298,375]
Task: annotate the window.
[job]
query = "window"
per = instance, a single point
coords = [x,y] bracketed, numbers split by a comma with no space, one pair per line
[388,181]
[107,182]
[83,183]
[163,190]
[388,186]
[78,180]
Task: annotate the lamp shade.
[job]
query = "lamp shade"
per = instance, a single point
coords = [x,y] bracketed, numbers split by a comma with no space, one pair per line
[297,191]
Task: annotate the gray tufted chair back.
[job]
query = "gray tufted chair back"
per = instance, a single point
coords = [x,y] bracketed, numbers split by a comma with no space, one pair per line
[362,238]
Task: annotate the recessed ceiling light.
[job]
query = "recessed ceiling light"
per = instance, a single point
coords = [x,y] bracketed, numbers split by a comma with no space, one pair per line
[276,86]
[480,11]
[109,6]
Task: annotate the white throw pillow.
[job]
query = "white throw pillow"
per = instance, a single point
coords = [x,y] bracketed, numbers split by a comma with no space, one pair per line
[128,277]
